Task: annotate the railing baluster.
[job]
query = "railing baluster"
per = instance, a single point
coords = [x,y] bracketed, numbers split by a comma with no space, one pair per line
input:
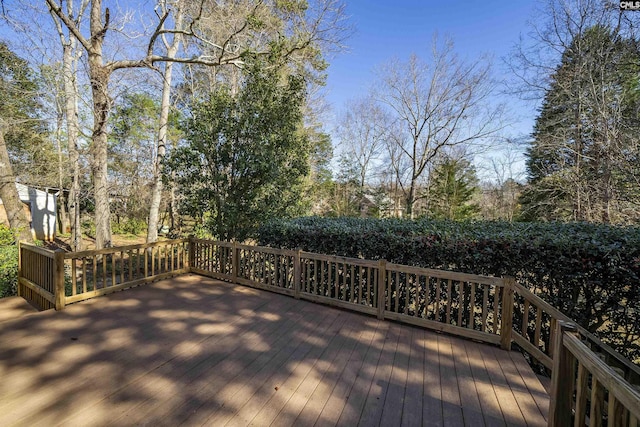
[472,307]
[95,273]
[485,307]
[581,396]
[536,336]
[597,403]
[461,303]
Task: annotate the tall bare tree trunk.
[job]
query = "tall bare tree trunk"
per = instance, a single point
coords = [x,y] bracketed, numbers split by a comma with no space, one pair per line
[71,109]
[99,75]
[156,194]
[163,125]
[14,208]
[98,150]
[63,212]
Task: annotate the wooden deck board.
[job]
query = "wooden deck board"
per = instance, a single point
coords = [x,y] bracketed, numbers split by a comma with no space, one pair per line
[451,402]
[196,351]
[471,409]
[491,410]
[413,393]
[14,307]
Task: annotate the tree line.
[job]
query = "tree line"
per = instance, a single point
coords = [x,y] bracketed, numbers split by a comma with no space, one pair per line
[103,71]
[206,117]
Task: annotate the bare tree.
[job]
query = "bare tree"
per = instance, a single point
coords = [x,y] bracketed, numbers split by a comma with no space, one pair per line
[171,46]
[362,130]
[443,103]
[9,194]
[70,57]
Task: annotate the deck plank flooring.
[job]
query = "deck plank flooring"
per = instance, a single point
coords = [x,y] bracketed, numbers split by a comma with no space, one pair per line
[196,351]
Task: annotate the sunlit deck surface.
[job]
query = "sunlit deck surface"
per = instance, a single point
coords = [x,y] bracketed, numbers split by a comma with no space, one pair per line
[196,351]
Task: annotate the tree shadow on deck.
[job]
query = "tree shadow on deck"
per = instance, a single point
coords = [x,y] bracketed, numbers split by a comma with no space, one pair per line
[198,351]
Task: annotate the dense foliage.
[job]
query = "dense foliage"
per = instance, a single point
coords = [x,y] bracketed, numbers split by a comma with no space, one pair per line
[32,155]
[245,157]
[590,272]
[8,262]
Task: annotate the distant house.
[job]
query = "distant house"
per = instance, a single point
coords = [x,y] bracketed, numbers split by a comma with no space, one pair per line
[379,205]
[40,207]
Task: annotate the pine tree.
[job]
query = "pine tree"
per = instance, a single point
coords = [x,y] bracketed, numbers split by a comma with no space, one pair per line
[453,184]
[583,141]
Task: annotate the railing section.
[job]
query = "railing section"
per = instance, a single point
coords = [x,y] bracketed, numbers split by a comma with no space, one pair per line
[343,282]
[534,326]
[36,276]
[585,390]
[211,258]
[99,272]
[463,304]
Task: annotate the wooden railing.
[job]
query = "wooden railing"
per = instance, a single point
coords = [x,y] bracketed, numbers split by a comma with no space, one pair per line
[463,304]
[53,279]
[534,326]
[37,275]
[99,272]
[591,392]
[489,309]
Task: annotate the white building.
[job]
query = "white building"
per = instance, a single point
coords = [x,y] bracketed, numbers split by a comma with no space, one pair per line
[40,207]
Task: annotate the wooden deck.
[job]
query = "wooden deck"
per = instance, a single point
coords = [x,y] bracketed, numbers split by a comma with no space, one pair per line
[14,307]
[196,351]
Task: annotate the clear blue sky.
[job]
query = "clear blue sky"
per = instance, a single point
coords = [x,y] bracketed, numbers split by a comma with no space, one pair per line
[396,29]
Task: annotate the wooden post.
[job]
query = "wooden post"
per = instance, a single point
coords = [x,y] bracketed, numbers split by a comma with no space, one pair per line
[562,379]
[380,287]
[58,278]
[191,254]
[506,326]
[235,262]
[297,271]
[19,268]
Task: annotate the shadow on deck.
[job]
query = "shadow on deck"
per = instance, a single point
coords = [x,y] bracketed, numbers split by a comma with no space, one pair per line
[196,351]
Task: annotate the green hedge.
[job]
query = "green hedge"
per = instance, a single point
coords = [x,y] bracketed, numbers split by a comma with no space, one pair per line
[589,271]
[8,262]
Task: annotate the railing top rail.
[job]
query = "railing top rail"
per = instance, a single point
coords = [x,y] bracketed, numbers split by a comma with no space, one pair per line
[341,259]
[213,242]
[445,274]
[622,390]
[37,249]
[267,249]
[548,308]
[115,249]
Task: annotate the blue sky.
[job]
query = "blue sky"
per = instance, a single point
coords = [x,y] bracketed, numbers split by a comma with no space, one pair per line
[395,29]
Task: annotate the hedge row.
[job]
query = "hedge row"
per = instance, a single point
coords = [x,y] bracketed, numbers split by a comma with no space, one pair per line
[8,262]
[588,271]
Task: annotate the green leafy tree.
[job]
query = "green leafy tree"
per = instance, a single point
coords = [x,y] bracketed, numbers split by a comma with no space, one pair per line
[245,157]
[452,187]
[20,133]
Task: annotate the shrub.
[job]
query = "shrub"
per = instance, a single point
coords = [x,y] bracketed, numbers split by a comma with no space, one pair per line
[588,271]
[8,262]
[129,226]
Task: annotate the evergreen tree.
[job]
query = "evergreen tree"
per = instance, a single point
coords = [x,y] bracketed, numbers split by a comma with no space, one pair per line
[581,158]
[453,183]
[245,157]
